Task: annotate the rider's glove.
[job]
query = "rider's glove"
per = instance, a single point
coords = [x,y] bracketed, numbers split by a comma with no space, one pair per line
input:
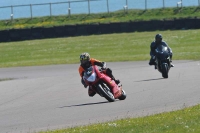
[104,65]
[83,82]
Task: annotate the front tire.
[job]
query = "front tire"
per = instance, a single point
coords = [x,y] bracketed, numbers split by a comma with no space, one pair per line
[105,92]
[165,70]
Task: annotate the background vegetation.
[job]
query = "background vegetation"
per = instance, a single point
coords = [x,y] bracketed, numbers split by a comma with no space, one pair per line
[110,48]
[119,16]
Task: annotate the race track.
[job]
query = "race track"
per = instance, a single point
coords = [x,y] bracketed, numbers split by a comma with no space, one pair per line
[52,97]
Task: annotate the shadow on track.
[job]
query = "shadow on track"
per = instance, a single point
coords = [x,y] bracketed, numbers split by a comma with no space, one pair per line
[149,80]
[84,104]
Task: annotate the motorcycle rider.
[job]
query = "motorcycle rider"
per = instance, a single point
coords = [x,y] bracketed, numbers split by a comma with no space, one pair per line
[158,41]
[86,62]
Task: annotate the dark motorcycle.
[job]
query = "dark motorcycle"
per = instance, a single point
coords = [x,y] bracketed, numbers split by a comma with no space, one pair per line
[163,60]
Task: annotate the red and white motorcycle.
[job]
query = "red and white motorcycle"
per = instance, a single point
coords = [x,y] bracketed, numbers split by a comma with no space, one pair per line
[103,85]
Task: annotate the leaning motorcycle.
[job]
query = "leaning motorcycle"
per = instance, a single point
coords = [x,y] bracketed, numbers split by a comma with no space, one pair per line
[163,60]
[103,84]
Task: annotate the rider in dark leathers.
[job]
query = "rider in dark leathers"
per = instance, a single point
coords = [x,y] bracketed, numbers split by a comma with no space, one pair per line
[158,41]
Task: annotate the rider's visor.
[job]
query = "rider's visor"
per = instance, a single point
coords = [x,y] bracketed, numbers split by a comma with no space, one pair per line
[84,61]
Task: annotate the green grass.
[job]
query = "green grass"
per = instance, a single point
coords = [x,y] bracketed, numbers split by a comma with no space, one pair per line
[110,48]
[182,121]
[118,16]
[5,79]
[113,47]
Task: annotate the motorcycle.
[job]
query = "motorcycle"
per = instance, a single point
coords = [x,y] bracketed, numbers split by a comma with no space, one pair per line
[163,60]
[103,85]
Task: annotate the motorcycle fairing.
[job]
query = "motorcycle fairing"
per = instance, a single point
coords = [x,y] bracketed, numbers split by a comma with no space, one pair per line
[162,53]
[161,49]
[96,76]
[92,77]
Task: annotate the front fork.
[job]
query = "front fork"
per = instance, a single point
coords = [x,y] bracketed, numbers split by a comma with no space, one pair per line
[159,63]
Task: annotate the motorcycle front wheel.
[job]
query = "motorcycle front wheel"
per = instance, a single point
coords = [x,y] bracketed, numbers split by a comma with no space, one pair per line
[165,70]
[105,92]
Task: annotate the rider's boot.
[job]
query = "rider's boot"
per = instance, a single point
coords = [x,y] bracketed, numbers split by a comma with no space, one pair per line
[114,88]
[109,73]
[172,65]
[155,66]
[152,62]
[117,81]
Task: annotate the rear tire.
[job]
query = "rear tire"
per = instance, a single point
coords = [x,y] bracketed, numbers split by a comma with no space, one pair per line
[165,70]
[123,96]
[105,92]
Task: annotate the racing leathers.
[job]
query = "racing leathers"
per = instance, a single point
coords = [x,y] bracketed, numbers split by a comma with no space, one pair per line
[91,62]
[153,46]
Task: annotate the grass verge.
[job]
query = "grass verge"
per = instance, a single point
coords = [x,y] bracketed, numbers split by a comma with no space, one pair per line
[182,121]
[110,48]
[118,16]
[5,79]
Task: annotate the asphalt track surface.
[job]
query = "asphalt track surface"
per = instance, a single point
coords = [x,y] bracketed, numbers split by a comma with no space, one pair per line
[52,97]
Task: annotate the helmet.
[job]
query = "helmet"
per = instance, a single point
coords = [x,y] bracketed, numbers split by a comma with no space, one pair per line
[158,38]
[84,58]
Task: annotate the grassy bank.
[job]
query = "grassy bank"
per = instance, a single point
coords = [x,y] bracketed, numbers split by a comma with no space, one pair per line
[182,121]
[119,16]
[113,47]
[5,79]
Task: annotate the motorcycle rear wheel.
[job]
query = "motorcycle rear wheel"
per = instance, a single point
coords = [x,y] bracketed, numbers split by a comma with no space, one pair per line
[123,96]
